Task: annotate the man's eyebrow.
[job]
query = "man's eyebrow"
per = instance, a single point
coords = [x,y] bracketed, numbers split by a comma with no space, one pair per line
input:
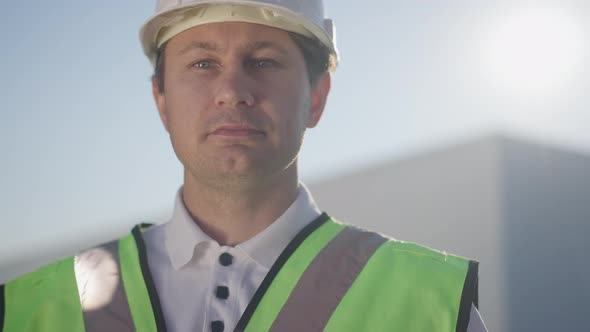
[198,45]
[260,45]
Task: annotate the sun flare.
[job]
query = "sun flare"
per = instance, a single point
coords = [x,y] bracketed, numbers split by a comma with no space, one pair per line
[534,51]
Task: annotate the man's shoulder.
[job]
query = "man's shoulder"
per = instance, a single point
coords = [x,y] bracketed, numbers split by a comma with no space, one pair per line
[90,256]
[43,272]
[411,252]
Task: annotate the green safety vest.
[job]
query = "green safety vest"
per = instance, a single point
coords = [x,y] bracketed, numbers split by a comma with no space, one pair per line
[331,277]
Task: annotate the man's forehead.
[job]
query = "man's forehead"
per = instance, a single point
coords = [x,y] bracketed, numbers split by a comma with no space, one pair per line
[219,37]
[221,48]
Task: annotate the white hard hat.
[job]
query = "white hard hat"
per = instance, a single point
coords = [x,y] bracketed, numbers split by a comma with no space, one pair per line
[305,17]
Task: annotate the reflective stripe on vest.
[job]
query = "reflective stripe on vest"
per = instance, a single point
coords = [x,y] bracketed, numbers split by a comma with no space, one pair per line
[118,270]
[326,280]
[101,289]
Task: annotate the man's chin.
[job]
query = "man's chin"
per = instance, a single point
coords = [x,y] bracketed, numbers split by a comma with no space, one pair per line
[237,169]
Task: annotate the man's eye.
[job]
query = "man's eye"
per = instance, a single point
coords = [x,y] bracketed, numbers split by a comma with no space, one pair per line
[264,63]
[203,64]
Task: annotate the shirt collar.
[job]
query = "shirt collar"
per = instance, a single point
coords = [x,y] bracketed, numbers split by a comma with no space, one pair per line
[183,235]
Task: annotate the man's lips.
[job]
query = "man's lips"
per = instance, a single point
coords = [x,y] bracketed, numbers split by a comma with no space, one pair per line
[237,131]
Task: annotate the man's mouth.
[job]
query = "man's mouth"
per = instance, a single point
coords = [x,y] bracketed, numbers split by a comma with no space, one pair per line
[237,130]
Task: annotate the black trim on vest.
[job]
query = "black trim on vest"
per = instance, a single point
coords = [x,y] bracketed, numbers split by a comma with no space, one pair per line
[469,296]
[147,277]
[276,267]
[2,308]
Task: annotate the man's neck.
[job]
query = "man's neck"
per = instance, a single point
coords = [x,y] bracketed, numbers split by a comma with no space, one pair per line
[233,216]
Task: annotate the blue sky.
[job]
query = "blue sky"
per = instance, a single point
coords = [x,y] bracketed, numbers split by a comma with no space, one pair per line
[83,150]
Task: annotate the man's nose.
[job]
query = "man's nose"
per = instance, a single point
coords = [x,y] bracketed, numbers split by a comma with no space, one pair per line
[234,90]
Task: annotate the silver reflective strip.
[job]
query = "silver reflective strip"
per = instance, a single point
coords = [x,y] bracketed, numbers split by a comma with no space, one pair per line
[326,280]
[102,293]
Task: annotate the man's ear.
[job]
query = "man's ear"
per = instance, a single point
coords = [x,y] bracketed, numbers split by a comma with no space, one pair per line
[319,96]
[160,100]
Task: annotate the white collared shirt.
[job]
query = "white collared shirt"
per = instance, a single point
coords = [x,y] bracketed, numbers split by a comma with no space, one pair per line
[185,266]
[184,262]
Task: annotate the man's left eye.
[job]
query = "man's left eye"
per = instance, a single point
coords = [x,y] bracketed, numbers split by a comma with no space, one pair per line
[264,63]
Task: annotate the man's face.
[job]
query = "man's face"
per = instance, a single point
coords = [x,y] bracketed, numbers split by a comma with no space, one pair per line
[237,101]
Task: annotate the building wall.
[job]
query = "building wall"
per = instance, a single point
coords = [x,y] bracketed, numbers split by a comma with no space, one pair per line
[447,199]
[546,199]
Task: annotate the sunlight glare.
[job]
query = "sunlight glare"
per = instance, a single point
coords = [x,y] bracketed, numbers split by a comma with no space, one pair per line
[534,51]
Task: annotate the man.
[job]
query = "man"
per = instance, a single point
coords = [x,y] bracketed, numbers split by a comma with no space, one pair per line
[236,85]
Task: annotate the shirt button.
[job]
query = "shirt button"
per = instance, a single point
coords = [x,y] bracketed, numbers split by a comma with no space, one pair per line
[226,259]
[222,292]
[217,326]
